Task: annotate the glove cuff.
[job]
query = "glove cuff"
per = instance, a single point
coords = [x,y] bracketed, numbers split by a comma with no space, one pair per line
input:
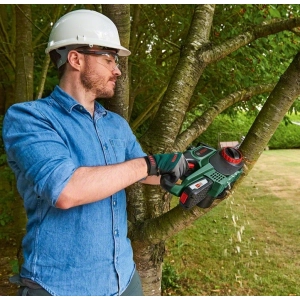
[151,164]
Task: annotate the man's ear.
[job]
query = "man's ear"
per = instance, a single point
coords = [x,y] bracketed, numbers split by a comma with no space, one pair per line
[75,59]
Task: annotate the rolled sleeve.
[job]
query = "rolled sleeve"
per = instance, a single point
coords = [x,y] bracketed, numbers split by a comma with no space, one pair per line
[36,152]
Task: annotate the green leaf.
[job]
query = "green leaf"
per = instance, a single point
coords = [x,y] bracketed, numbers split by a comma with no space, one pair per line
[274,13]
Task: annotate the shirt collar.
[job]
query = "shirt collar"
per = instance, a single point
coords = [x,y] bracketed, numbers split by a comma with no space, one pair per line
[68,103]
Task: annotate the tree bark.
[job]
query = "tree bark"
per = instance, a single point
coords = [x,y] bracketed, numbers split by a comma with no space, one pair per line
[120,15]
[163,130]
[201,124]
[168,119]
[23,54]
[43,77]
[23,92]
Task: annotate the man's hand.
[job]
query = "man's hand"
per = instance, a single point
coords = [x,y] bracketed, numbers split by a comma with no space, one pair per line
[171,166]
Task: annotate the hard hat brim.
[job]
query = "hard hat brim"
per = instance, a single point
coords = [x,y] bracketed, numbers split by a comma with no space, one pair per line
[122,51]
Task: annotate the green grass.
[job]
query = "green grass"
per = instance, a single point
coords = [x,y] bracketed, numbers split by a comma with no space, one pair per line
[249,244]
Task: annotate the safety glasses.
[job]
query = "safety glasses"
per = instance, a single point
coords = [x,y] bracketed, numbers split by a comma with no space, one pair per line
[111,61]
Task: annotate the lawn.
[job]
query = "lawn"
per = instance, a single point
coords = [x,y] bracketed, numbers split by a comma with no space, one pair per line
[249,244]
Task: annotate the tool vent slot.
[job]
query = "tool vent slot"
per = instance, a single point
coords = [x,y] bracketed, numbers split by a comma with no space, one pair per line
[216,176]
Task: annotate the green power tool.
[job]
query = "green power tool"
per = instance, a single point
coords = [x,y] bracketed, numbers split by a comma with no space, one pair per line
[211,172]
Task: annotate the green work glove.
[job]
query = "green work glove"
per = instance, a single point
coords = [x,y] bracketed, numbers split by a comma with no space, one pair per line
[171,166]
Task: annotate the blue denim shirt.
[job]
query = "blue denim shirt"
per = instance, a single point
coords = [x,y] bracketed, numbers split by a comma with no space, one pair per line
[83,250]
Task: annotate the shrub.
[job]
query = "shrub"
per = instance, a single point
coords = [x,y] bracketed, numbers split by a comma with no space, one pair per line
[225,128]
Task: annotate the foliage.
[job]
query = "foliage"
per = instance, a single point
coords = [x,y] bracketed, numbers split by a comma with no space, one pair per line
[263,61]
[226,128]
[155,51]
[6,194]
[14,266]
[170,279]
[260,62]
[6,200]
[2,151]
[286,135]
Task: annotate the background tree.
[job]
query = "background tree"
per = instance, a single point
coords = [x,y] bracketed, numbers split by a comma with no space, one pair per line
[189,63]
[23,89]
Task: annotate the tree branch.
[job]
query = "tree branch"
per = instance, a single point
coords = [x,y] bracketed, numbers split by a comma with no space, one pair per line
[268,119]
[201,124]
[142,116]
[43,76]
[217,52]
[276,106]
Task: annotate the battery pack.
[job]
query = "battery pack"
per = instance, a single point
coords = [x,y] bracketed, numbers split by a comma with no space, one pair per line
[195,193]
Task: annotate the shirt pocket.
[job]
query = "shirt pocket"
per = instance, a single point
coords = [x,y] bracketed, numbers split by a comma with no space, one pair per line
[119,150]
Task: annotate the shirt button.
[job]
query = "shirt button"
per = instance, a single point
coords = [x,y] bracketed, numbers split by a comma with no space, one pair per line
[114,203]
[116,232]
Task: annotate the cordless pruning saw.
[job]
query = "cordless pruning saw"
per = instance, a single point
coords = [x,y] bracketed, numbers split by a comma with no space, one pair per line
[211,172]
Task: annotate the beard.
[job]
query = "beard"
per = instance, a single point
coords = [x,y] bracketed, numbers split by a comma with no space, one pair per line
[95,83]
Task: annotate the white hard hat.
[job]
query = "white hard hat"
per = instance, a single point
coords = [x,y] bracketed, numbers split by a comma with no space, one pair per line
[84,28]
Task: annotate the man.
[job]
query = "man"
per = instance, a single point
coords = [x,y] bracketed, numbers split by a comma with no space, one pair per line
[72,160]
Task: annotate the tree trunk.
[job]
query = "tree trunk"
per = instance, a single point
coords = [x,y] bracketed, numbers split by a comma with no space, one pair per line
[23,54]
[120,15]
[146,202]
[163,130]
[168,120]
[23,92]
